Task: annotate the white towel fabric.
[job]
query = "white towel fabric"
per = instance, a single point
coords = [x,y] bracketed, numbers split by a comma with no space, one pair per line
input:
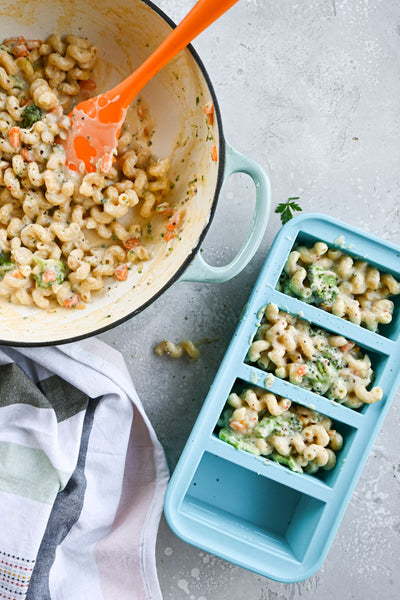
[82,477]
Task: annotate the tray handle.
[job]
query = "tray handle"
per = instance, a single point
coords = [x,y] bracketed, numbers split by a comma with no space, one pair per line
[199,270]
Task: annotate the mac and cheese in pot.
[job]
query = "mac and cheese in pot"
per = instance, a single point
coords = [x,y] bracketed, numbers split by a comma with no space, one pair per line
[65,235]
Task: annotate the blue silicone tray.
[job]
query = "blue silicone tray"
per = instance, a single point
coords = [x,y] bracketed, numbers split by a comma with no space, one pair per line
[257,513]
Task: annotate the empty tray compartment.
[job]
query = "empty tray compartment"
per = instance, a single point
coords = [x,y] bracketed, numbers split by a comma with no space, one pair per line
[251,509]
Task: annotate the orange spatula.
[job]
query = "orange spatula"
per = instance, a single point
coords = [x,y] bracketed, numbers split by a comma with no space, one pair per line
[96,123]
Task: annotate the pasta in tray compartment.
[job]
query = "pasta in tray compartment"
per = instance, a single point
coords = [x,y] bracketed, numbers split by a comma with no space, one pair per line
[63,234]
[336,282]
[264,424]
[325,363]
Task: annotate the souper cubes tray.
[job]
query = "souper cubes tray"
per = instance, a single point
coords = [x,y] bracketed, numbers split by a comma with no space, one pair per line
[252,511]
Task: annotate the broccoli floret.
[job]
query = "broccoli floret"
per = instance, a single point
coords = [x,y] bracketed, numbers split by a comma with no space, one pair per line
[5,263]
[30,115]
[334,355]
[321,375]
[5,258]
[280,425]
[52,271]
[323,284]
[238,441]
[288,461]
[19,83]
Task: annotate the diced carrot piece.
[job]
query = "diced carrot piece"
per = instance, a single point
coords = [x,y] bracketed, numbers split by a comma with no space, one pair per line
[106,162]
[27,155]
[302,370]
[131,243]
[237,426]
[17,274]
[19,46]
[214,154]
[121,272]
[14,136]
[48,276]
[20,50]
[208,109]
[87,84]
[174,221]
[167,210]
[71,301]
[347,347]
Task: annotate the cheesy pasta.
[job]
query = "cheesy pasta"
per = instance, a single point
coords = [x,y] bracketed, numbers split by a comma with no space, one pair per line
[64,234]
[177,350]
[264,424]
[327,364]
[336,282]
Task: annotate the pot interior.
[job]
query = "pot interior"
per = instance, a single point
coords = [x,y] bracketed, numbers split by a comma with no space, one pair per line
[125,33]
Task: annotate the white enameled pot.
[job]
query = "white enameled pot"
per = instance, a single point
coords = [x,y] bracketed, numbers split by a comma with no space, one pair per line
[125,32]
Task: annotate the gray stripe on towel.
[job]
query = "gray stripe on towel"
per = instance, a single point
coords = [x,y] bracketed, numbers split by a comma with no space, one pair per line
[16,387]
[66,511]
[65,399]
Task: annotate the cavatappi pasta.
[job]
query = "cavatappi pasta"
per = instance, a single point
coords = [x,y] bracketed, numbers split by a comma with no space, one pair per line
[177,350]
[336,282]
[64,234]
[327,364]
[265,424]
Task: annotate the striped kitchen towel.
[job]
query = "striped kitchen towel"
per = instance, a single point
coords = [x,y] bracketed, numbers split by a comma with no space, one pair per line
[82,477]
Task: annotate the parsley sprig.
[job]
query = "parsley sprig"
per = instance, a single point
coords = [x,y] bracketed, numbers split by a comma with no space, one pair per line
[285,209]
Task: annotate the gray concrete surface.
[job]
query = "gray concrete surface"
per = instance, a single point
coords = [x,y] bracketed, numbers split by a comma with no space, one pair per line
[310,89]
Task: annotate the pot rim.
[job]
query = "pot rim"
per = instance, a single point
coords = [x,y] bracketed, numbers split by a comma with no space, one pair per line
[195,249]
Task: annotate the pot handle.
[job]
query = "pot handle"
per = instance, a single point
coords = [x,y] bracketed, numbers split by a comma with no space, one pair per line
[199,270]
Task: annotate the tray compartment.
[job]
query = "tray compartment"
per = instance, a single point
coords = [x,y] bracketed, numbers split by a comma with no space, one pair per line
[385,259]
[263,467]
[257,510]
[336,325]
[378,359]
[263,464]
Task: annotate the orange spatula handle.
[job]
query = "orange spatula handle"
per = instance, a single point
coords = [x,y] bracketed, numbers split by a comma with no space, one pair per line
[203,14]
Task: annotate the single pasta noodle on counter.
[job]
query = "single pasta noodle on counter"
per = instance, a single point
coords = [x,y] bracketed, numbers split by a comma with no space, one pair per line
[177,350]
